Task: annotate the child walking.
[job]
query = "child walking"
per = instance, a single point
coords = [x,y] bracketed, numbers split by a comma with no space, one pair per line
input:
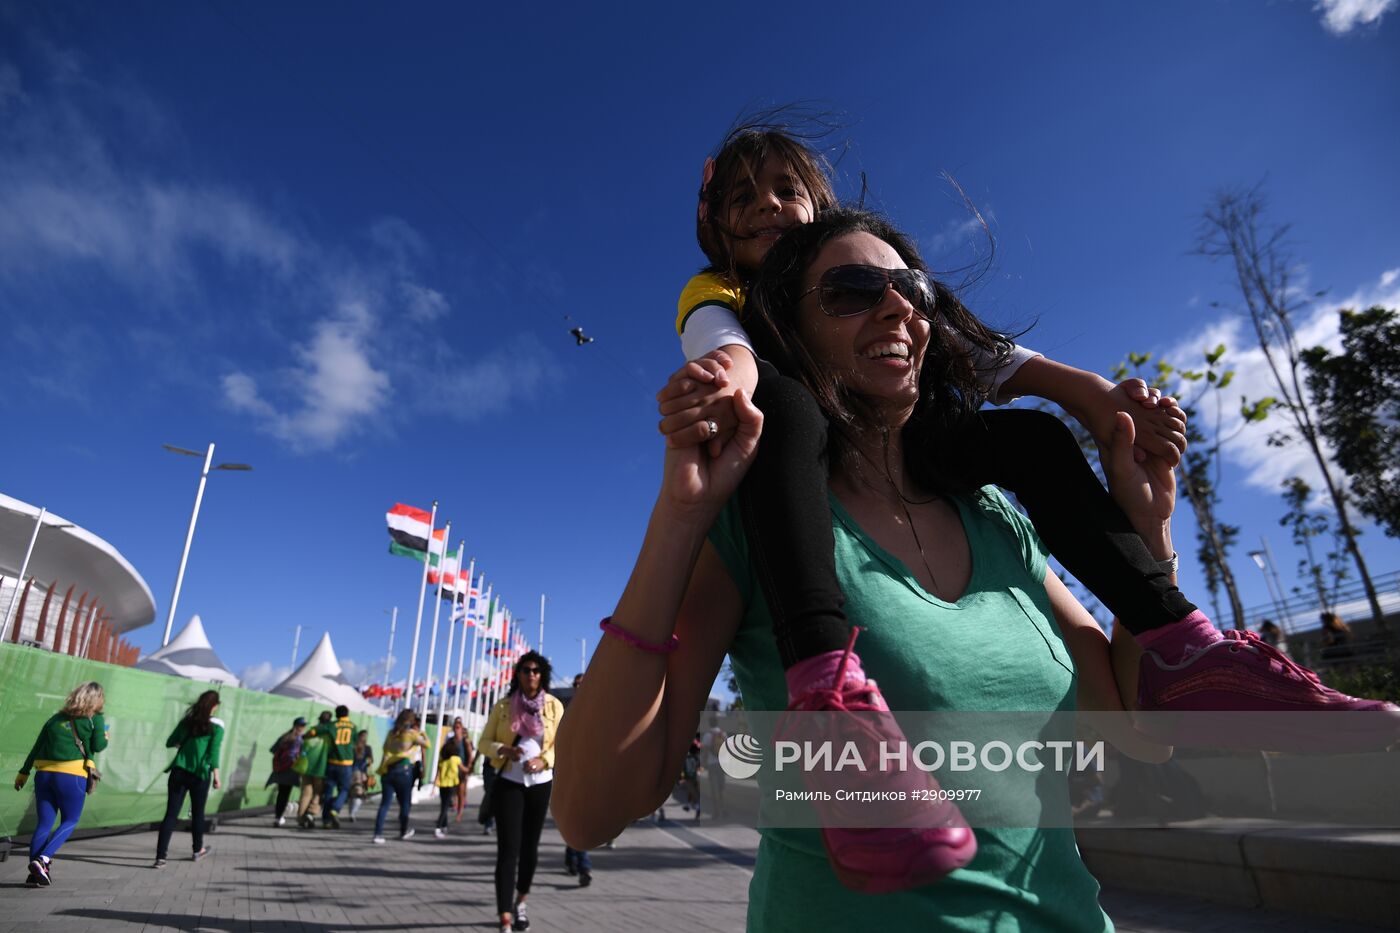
[762,182]
[451,773]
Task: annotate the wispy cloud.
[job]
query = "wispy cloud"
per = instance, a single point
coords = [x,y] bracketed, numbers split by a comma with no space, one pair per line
[1263,466]
[1340,17]
[332,392]
[263,676]
[423,305]
[518,370]
[359,674]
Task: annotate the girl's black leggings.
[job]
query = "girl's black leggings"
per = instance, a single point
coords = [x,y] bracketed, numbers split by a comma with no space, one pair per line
[1032,454]
[520,813]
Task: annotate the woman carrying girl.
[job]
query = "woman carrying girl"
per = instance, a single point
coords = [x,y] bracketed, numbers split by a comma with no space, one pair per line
[519,737]
[402,748]
[763,182]
[198,740]
[63,756]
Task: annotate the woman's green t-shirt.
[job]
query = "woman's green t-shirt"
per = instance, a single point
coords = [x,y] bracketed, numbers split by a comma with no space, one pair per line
[997,648]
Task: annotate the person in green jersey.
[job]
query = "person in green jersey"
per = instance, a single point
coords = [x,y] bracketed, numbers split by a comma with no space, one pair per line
[315,749]
[198,740]
[947,585]
[339,739]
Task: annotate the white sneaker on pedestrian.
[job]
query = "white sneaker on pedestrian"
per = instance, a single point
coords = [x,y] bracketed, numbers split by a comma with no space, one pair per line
[281,821]
[378,840]
[407,836]
[440,832]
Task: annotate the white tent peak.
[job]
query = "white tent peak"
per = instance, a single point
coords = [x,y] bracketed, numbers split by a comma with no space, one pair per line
[189,654]
[320,678]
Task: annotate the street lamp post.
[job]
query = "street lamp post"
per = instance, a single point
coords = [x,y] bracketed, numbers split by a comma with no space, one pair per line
[1264,561]
[194,517]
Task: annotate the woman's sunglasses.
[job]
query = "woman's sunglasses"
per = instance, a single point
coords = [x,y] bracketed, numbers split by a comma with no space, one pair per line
[529,670]
[845,291]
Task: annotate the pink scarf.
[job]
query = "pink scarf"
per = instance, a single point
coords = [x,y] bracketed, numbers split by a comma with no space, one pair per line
[525,718]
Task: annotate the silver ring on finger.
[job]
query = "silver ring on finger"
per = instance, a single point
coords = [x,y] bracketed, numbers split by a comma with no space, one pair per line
[712,427]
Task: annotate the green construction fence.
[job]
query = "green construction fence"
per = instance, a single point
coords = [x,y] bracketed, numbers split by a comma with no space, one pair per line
[142,708]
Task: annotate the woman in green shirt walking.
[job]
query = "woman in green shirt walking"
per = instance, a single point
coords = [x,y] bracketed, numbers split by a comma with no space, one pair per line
[62,754]
[198,740]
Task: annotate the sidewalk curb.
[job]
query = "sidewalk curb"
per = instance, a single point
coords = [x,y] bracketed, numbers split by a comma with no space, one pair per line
[1342,872]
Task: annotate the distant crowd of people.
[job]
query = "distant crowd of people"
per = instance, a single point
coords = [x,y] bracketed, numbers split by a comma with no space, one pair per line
[332,764]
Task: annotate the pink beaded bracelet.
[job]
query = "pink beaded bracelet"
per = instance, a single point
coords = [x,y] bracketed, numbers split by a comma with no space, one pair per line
[651,647]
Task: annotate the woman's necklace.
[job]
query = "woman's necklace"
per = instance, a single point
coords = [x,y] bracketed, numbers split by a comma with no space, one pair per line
[917,543]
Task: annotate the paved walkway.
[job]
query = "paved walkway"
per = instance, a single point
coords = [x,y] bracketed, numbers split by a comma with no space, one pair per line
[677,876]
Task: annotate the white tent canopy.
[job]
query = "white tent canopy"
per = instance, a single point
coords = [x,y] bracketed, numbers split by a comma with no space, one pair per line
[319,678]
[189,654]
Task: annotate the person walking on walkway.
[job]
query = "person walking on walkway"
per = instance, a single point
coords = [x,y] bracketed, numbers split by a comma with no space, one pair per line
[285,752]
[451,775]
[340,760]
[360,779]
[519,737]
[63,756]
[465,751]
[577,861]
[315,749]
[401,749]
[198,739]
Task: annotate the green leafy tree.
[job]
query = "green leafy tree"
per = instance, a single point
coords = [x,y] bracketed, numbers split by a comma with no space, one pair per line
[1357,396]
[1234,227]
[1305,526]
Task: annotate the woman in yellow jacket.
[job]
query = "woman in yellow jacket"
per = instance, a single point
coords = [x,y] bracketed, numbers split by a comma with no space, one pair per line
[519,738]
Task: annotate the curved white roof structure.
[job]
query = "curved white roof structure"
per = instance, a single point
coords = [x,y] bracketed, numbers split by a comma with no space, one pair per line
[189,654]
[72,554]
[319,678]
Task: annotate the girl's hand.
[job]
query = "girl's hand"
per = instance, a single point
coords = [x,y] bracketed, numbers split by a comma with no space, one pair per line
[693,482]
[697,393]
[1146,491]
[20,780]
[1158,421]
[216,778]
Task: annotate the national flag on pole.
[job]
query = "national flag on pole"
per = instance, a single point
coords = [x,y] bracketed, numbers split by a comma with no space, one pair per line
[467,607]
[409,528]
[446,573]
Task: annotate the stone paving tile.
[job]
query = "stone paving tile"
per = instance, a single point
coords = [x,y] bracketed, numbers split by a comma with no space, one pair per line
[678,876]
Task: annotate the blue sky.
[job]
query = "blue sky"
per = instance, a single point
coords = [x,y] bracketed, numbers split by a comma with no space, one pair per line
[347,246]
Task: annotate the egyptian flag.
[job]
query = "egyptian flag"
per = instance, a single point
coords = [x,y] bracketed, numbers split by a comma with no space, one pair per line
[408,533]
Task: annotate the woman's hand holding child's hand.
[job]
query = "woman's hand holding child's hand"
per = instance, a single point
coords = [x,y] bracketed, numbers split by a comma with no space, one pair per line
[696,483]
[1158,421]
[699,392]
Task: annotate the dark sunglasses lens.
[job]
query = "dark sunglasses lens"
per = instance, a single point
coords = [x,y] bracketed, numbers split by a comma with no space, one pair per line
[916,289]
[851,290]
[529,670]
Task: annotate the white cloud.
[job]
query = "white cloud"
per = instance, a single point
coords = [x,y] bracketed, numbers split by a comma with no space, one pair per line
[514,372]
[335,389]
[359,674]
[959,233]
[263,676]
[1340,17]
[423,305]
[1263,466]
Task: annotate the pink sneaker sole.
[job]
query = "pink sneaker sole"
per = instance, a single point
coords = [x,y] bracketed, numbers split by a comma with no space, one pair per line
[1242,693]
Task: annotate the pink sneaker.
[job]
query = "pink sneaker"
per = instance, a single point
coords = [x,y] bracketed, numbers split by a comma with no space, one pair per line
[933,838]
[1214,698]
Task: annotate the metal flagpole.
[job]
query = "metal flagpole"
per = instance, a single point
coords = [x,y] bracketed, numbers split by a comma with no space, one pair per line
[478,658]
[466,621]
[296,647]
[437,608]
[389,658]
[23,569]
[418,623]
[540,649]
[447,655]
